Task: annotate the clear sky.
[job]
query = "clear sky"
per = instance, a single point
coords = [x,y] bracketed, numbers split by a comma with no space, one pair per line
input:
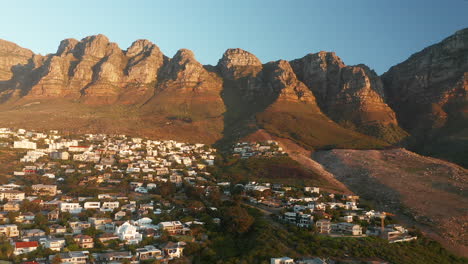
[379,33]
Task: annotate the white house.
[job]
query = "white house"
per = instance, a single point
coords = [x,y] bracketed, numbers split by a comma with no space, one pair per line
[283,260]
[74,208]
[55,244]
[109,206]
[128,233]
[25,144]
[92,205]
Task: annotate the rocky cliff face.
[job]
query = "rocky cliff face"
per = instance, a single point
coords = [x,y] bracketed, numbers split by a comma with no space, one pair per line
[422,88]
[283,83]
[257,83]
[238,63]
[429,93]
[186,91]
[12,55]
[351,95]
[93,69]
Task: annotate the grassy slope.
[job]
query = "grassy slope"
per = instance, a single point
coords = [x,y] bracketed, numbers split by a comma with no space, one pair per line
[77,117]
[301,123]
[280,169]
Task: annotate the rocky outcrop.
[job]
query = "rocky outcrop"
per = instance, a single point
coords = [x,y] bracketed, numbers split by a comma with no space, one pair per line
[282,81]
[422,88]
[145,60]
[184,69]
[93,69]
[73,68]
[186,91]
[238,63]
[351,95]
[12,55]
[53,78]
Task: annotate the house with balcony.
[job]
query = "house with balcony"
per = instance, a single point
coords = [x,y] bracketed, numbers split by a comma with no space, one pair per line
[84,241]
[9,230]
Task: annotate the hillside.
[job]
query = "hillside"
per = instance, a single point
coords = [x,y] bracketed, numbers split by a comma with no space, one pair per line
[425,192]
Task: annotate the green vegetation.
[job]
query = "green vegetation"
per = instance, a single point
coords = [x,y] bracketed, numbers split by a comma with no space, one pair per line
[265,240]
[392,134]
[279,169]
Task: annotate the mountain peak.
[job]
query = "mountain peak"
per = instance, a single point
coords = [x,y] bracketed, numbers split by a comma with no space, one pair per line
[139,46]
[184,56]
[238,63]
[95,46]
[66,46]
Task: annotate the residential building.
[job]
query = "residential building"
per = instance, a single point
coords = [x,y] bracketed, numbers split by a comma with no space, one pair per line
[128,233]
[92,205]
[9,230]
[113,257]
[173,228]
[106,237]
[84,241]
[44,189]
[283,260]
[323,226]
[74,208]
[25,247]
[347,228]
[24,144]
[73,257]
[57,229]
[33,233]
[53,215]
[109,206]
[55,244]
[12,206]
[148,252]
[173,250]
[12,195]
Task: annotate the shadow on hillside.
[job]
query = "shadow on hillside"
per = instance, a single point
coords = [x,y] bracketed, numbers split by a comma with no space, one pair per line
[243,98]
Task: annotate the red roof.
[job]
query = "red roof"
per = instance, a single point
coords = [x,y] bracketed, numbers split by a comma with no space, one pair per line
[26,244]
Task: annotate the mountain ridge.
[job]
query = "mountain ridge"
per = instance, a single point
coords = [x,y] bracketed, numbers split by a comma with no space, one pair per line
[315,100]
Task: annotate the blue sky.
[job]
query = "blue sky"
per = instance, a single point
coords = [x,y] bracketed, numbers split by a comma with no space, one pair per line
[378,33]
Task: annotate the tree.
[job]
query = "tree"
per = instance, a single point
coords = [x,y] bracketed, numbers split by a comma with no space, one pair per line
[57,259]
[215,197]
[167,189]
[238,220]
[6,249]
[12,217]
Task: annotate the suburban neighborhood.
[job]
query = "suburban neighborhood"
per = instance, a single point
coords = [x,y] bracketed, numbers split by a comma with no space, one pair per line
[98,198]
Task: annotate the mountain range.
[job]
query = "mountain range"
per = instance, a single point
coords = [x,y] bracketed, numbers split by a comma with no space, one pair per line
[317,101]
